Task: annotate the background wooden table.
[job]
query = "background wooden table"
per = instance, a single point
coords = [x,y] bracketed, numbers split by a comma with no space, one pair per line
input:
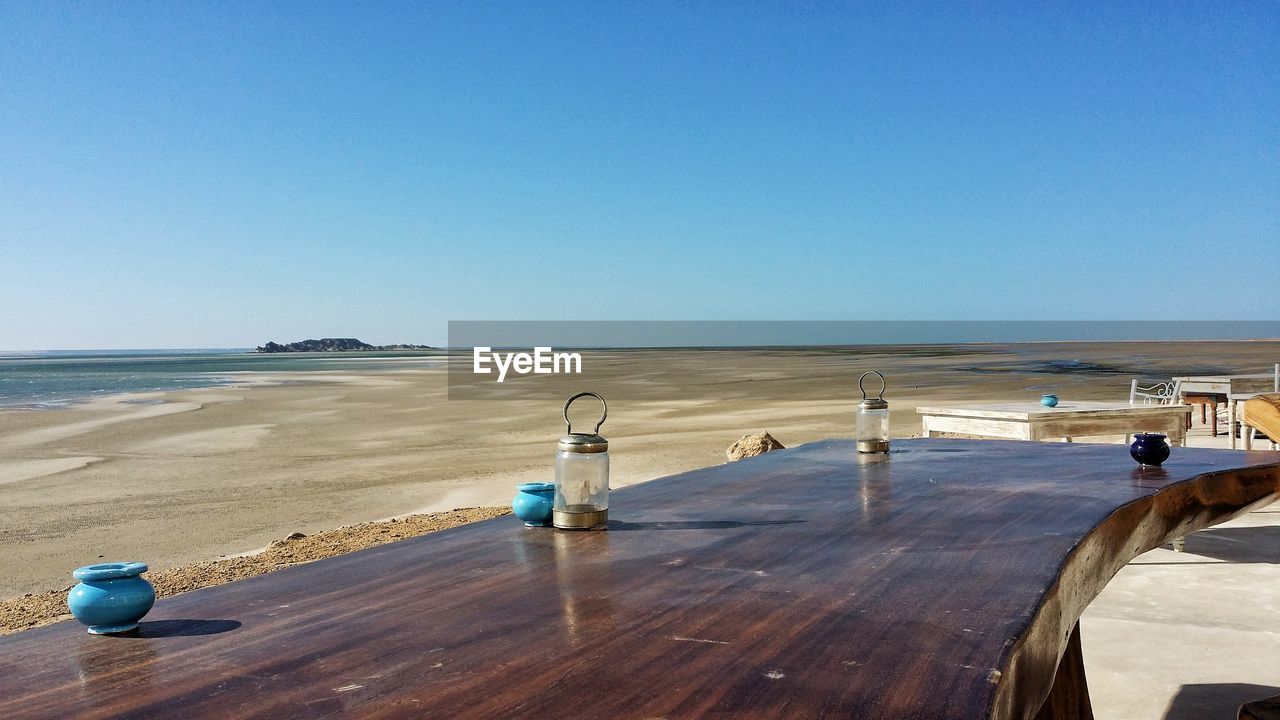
[941,581]
[1227,384]
[1033,421]
[1231,388]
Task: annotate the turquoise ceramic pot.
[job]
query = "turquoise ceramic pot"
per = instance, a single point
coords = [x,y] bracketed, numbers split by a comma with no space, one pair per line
[1049,400]
[533,503]
[111,597]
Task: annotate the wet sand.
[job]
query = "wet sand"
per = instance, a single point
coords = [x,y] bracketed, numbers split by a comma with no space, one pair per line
[181,477]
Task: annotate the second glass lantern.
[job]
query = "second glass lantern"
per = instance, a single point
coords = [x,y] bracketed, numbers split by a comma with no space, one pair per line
[872,419]
[582,475]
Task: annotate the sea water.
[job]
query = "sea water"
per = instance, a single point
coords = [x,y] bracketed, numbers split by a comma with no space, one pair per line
[55,379]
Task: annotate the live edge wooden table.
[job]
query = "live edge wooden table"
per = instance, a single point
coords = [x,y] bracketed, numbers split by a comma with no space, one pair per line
[1033,421]
[941,581]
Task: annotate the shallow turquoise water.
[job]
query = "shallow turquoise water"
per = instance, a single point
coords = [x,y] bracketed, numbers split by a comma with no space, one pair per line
[54,379]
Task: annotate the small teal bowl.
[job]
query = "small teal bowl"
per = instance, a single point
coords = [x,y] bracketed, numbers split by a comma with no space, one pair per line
[1049,400]
[533,503]
[111,597]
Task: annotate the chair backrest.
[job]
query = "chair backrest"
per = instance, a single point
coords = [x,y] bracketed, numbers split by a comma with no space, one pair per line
[1161,393]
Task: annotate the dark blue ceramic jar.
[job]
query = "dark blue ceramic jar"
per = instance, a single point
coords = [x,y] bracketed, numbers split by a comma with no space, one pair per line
[1149,449]
[533,503]
[111,597]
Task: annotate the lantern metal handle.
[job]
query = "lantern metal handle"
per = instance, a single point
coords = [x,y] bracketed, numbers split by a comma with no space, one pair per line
[568,426]
[880,396]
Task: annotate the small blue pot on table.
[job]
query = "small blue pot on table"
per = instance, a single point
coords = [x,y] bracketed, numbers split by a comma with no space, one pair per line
[111,597]
[1049,400]
[533,503]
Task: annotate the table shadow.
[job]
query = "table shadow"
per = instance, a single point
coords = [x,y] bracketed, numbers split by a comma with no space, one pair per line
[184,628]
[1238,544]
[1214,700]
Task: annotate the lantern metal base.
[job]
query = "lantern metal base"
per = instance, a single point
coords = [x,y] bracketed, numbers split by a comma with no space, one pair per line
[571,519]
[873,446]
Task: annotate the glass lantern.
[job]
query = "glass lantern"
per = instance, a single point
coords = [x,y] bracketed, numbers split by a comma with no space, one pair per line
[872,419]
[582,475]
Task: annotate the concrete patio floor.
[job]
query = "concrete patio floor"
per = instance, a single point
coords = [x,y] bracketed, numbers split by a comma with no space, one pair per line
[1190,635]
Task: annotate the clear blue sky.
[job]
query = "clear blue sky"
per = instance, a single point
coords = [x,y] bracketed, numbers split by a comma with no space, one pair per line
[220,174]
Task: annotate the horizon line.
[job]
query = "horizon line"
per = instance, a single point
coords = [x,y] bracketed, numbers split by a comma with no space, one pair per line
[735,346]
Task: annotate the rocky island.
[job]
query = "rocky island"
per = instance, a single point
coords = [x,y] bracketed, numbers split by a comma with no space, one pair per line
[333,345]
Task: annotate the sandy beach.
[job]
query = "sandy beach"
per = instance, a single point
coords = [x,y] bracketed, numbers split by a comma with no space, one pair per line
[181,477]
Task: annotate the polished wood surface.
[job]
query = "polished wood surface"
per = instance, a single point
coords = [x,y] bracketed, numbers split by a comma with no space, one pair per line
[941,581]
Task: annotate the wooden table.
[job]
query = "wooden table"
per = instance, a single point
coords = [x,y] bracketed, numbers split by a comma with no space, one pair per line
[1228,386]
[1234,401]
[1235,410]
[941,581]
[1033,421]
[1234,389]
